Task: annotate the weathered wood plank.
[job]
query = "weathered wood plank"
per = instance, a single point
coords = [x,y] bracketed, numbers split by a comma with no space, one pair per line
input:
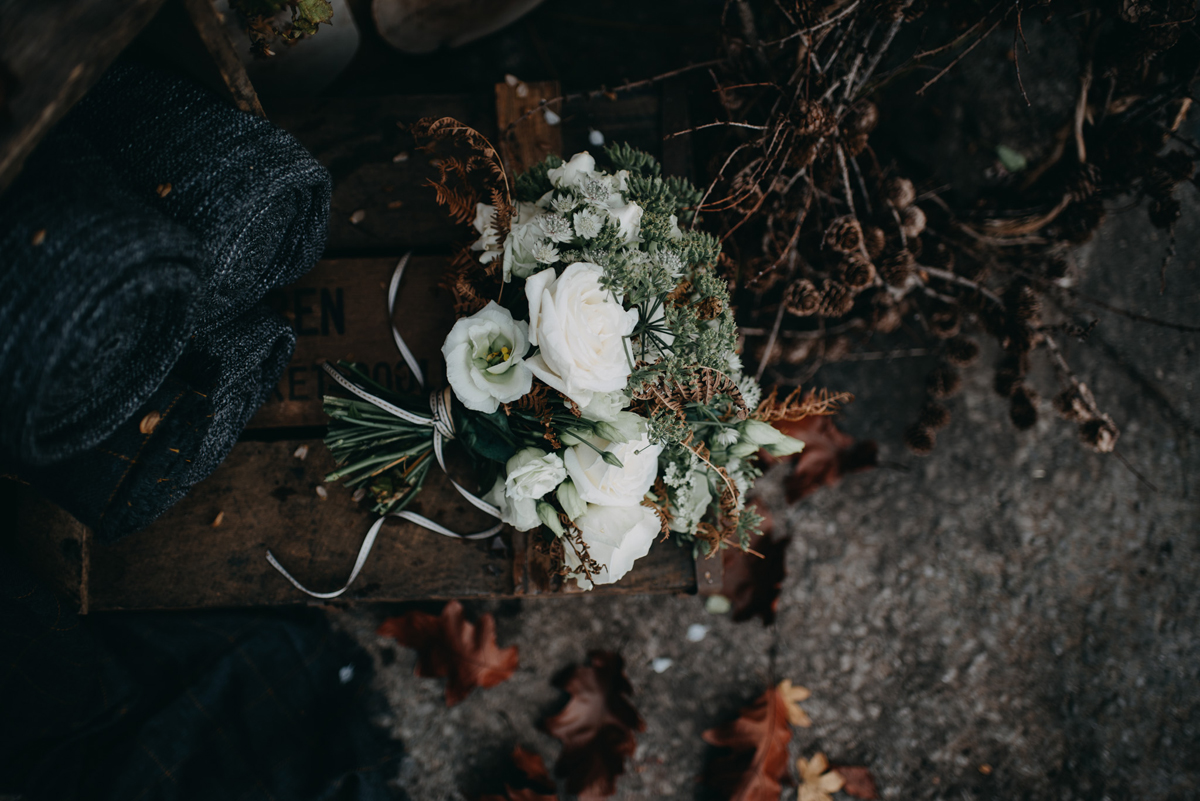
[50,55]
[531,137]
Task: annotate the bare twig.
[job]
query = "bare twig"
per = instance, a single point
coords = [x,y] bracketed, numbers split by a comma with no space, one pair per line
[959,58]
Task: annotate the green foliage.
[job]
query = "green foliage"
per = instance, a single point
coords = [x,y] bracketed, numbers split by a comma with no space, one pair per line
[534,182]
[256,17]
[700,248]
[625,157]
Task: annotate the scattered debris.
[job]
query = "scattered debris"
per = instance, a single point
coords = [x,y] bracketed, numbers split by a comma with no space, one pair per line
[218,519]
[818,783]
[858,782]
[529,771]
[163,190]
[358,217]
[39,236]
[149,422]
[661,664]
[322,493]
[697,632]
[449,647]
[301,452]
[759,740]
[400,158]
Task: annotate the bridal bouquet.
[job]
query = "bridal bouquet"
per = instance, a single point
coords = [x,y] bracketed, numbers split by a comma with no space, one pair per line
[593,371]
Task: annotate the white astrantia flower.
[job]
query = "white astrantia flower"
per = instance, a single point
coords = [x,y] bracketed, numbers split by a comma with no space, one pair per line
[599,482]
[564,204]
[572,172]
[689,506]
[544,253]
[484,359]
[557,227]
[588,224]
[616,537]
[727,437]
[520,513]
[750,389]
[597,192]
[581,331]
[531,473]
[489,241]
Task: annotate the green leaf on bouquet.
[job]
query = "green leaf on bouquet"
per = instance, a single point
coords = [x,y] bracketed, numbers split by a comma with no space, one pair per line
[486,435]
[534,182]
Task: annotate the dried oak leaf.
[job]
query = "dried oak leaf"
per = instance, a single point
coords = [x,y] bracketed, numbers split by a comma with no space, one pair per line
[759,739]
[858,781]
[530,772]
[751,582]
[829,453]
[448,646]
[597,726]
[818,783]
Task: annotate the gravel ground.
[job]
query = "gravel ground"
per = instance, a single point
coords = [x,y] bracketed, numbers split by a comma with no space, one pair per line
[1011,617]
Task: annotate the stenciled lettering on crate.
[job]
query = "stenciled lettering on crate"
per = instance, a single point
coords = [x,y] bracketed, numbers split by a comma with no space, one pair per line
[339,311]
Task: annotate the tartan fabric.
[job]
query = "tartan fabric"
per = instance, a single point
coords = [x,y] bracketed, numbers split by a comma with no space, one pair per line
[256,200]
[268,705]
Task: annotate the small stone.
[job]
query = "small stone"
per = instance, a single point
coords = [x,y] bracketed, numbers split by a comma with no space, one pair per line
[301,452]
[595,138]
[552,118]
[346,674]
[163,190]
[218,519]
[149,422]
[357,217]
[662,664]
[717,605]
[39,236]
[400,158]
[322,493]
[697,632]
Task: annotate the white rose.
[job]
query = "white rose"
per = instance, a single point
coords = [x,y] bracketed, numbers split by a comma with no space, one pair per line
[628,216]
[616,536]
[571,173]
[604,406]
[691,502]
[519,245]
[484,361]
[601,483]
[489,240]
[520,513]
[531,473]
[581,331]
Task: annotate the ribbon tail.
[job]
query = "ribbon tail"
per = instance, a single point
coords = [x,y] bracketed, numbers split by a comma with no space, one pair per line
[401,345]
[363,552]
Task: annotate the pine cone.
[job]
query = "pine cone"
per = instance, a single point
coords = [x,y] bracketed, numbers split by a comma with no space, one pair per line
[864,117]
[885,315]
[811,118]
[1082,184]
[855,271]
[1006,381]
[1071,406]
[940,256]
[934,416]
[1080,220]
[1022,407]
[962,352]
[919,439]
[900,192]
[844,234]
[802,298]
[912,221]
[943,382]
[945,321]
[836,299]
[897,267]
[856,144]
[1022,301]
[875,240]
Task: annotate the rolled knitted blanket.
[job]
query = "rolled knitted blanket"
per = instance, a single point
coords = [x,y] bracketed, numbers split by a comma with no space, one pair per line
[255,198]
[97,292]
[180,435]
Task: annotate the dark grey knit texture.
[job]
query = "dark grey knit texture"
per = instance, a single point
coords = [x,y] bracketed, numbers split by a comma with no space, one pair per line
[94,311]
[257,201]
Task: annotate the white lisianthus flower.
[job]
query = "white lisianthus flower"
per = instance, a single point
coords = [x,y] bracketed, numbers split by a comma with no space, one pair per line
[588,224]
[484,359]
[628,217]
[691,503]
[520,513]
[531,473]
[607,485]
[616,536]
[489,240]
[571,173]
[581,331]
[757,434]
[519,258]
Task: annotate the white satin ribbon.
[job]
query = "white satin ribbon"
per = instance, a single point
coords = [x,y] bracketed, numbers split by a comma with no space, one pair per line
[440,420]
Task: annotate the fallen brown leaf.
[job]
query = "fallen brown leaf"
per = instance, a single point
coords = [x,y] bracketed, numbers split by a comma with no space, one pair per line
[597,726]
[829,453]
[751,582]
[448,646]
[816,784]
[859,781]
[759,739]
[532,773]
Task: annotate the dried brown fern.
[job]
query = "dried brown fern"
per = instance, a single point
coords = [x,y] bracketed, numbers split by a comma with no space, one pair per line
[469,168]
[705,385]
[796,406]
